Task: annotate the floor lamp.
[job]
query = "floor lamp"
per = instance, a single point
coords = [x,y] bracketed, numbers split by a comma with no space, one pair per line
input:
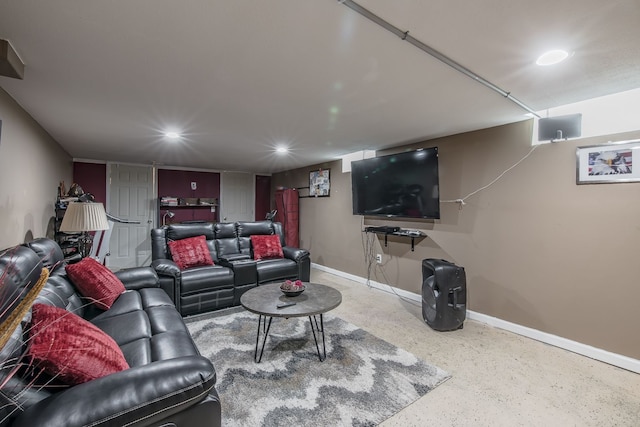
[83,217]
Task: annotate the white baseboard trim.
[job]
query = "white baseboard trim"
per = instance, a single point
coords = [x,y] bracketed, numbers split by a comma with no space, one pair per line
[377,285]
[605,356]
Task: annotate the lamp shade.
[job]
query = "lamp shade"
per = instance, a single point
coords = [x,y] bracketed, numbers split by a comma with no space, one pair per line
[84,216]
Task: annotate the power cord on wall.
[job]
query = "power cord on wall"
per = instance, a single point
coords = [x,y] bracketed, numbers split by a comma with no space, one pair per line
[369,252]
[462,200]
[368,240]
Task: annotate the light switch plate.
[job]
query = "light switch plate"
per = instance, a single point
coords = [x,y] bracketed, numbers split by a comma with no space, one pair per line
[194,185]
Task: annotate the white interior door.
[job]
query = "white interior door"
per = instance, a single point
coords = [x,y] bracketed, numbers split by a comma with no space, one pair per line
[131,198]
[237,196]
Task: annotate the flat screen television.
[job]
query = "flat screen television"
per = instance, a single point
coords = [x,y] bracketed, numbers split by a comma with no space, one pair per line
[403,185]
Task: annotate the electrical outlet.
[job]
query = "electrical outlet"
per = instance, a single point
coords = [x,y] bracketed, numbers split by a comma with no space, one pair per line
[194,185]
[379,258]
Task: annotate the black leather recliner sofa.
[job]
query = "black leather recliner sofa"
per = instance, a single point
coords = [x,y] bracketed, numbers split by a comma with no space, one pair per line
[205,288]
[168,383]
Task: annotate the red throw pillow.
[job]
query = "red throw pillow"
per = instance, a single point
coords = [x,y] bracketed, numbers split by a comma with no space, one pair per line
[266,247]
[68,347]
[95,282]
[190,252]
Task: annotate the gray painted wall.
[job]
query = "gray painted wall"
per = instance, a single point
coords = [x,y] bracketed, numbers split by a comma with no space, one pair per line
[31,166]
[538,250]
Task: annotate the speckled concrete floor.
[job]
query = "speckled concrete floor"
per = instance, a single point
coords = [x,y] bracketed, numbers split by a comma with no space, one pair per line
[499,378]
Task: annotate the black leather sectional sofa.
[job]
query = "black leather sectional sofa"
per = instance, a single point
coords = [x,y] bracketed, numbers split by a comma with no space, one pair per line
[168,383]
[205,288]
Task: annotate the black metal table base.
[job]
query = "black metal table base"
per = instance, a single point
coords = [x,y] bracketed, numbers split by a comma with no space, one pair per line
[317,328]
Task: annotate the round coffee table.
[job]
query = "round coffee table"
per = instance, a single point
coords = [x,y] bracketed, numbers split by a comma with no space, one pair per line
[316,300]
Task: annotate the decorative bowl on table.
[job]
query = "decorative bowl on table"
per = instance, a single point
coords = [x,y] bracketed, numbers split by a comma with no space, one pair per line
[292,289]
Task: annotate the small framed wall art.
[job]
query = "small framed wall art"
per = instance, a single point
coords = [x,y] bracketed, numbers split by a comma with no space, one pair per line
[319,183]
[608,163]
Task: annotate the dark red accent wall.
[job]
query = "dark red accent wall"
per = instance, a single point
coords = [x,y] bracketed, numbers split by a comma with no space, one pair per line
[177,183]
[92,177]
[263,196]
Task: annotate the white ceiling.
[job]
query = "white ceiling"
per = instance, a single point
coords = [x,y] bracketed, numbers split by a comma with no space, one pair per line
[106,78]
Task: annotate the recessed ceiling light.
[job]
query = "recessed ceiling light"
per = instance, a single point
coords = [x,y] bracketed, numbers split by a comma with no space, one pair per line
[172,135]
[282,150]
[552,57]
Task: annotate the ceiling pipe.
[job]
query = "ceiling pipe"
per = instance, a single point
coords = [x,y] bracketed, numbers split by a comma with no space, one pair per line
[404,35]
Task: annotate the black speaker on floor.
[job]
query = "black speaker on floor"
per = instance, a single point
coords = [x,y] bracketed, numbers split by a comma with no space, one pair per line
[444,294]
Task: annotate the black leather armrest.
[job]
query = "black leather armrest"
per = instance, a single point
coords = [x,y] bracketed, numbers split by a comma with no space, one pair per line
[137,396]
[295,254]
[234,257]
[72,259]
[166,267]
[138,278]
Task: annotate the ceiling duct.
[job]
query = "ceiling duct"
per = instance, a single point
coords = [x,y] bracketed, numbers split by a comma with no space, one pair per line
[557,128]
[404,35]
[10,63]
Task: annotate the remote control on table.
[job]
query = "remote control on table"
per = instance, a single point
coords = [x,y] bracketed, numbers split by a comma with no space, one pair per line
[285,304]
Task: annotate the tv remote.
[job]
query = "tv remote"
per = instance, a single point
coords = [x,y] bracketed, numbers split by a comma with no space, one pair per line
[285,304]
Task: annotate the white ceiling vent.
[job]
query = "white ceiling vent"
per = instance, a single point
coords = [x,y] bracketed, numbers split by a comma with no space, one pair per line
[358,155]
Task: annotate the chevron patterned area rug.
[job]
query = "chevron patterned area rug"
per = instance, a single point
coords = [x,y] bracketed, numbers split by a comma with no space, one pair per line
[363,381]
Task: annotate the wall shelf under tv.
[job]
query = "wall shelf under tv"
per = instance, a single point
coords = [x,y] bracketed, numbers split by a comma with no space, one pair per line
[401,233]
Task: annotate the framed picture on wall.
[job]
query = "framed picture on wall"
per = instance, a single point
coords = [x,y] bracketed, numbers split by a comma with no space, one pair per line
[319,183]
[608,163]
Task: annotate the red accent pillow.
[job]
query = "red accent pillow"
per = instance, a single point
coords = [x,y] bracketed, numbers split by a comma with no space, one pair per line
[68,347]
[190,252]
[95,282]
[266,247]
